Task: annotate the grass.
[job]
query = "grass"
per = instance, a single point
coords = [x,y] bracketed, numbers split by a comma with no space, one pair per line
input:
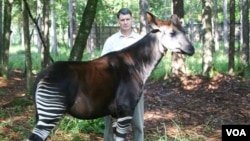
[12,126]
[72,126]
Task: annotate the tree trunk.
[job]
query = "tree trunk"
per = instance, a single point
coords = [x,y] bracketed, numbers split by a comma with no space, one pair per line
[232,37]
[215,25]
[45,56]
[26,38]
[91,44]
[191,23]
[53,30]
[72,22]
[7,35]
[1,37]
[84,30]
[244,60]
[225,31]
[39,24]
[144,26]
[178,60]
[207,37]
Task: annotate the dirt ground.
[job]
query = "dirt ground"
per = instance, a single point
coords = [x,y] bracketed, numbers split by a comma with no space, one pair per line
[191,107]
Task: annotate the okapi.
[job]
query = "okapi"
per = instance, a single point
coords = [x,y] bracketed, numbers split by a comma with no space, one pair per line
[109,85]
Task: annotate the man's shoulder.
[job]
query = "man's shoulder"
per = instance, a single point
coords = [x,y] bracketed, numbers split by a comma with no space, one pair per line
[115,35]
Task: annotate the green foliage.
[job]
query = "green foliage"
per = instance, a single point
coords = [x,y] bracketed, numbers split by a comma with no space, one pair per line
[70,124]
[160,8]
[107,9]
[106,14]
[2,115]
[22,102]
[17,57]
[192,10]
[194,64]
[162,68]
[221,62]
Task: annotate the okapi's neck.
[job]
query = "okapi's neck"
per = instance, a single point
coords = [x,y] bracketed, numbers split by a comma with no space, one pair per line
[148,53]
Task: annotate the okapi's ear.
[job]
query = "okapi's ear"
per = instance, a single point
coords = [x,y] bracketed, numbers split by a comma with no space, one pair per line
[152,20]
[175,20]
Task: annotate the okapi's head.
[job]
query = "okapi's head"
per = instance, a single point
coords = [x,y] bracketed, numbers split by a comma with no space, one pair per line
[173,35]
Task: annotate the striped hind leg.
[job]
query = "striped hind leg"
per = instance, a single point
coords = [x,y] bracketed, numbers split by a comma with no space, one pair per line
[122,127]
[50,106]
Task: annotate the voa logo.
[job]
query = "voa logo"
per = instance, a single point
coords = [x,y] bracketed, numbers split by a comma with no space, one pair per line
[236,132]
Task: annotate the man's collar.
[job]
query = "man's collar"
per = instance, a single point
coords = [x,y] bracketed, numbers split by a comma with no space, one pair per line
[132,35]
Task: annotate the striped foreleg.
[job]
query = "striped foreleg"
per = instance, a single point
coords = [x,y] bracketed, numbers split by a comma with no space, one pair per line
[122,127]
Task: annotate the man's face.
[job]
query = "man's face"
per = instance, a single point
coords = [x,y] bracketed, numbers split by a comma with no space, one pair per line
[125,22]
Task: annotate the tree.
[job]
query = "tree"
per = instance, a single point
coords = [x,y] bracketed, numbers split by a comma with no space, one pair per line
[72,22]
[53,29]
[1,37]
[207,37]
[84,30]
[39,24]
[144,6]
[225,31]
[45,56]
[244,59]
[26,38]
[7,35]
[232,37]
[178,65]
[44,33]
[215,29]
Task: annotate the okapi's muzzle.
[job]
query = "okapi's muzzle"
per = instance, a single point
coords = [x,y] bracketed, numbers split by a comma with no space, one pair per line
[189,50]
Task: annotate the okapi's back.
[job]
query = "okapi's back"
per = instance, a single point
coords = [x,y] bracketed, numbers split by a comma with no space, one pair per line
[67,69]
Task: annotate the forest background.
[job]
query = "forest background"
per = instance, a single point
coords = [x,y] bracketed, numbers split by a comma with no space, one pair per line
[34,32]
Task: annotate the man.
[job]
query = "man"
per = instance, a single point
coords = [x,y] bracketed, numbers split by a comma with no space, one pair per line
[125,37]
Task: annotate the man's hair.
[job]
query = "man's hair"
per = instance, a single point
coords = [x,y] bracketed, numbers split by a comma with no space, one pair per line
[123,11]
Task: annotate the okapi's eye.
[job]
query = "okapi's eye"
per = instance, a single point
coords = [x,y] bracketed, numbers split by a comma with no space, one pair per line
[172,34]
